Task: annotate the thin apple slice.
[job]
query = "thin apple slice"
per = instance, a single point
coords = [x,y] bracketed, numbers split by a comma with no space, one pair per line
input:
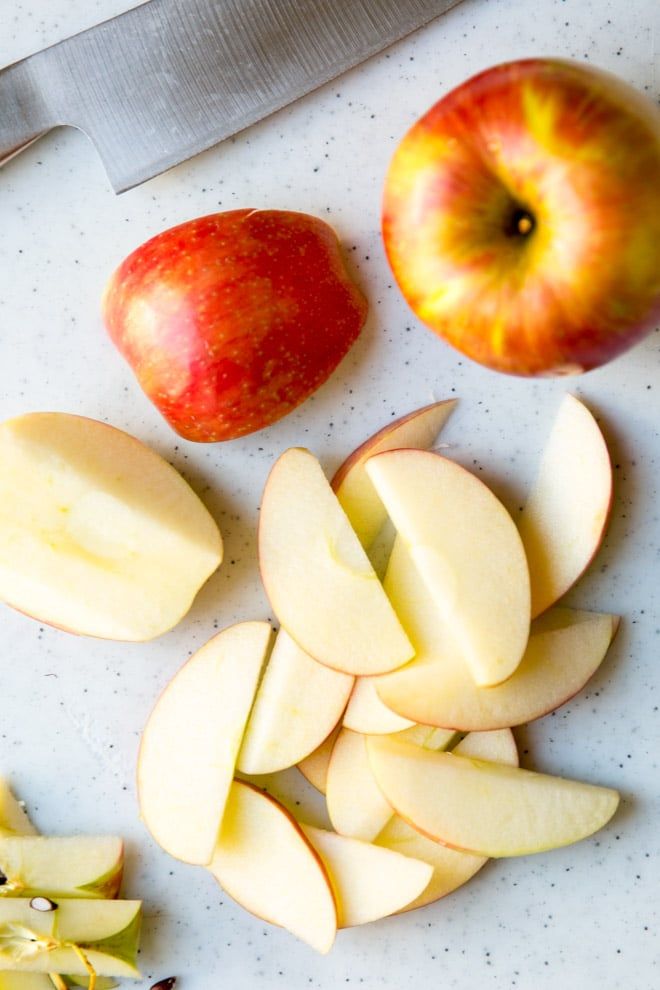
[318,578]
[369,882]
[354,488]
[75,938]
[367,714]
[482,807]
[451,867]
[266,864]
[13,816]
[314,767]
[298,703]
[192,739]
[76,866]
[356,805]
[99,535]
[565,517]
[468,553]
[26,981]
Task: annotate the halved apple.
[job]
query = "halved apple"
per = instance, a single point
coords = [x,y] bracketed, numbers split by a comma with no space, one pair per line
[369,881]
[298,703]
[482,807]
[352,484]
[192,738]
[314,767]
[77,937]
[317,576]
[76,866]
[263,860]
[13,816]
[468,552]
[451,867]
[565,517]
[99,535]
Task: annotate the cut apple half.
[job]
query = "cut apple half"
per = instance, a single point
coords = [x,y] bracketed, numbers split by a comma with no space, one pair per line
[77,866]
[369,881]
[314,767]
[192,739]
[565,517]
[264,862]
[479,583]
[355,491]
[13,816]
[317,576]
[451,867]
[483,807]
[99,535]
[298,703]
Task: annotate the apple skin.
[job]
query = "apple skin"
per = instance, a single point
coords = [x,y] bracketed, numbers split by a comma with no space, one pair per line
[232,320]
[521,217]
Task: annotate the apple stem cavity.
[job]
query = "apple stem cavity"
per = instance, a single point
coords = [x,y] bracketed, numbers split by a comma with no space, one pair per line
[521,222]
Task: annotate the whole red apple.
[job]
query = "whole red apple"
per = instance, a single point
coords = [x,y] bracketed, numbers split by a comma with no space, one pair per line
[522,217]
[231,320]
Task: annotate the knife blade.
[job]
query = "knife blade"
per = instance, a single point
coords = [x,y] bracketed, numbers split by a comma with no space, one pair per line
[166,80]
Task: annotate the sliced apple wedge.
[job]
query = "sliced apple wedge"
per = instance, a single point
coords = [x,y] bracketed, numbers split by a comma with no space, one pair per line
[356,805]
[369,882]
[26,981]
[192,738]
[77,866]
[99,535]
[266,864]
[482,807]
[468,553]
[366,713]
[77,937]
[13,816]
[298,703]
[496,746]
[314,767]
[354,488]
[317,576]
[565,517]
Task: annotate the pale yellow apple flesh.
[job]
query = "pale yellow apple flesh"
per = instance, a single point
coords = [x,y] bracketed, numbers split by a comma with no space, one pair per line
[314,767]
[564,519]
[99,535]
[76,866]
[298,703]
[451,867]
[13,817]
[366,713]
[263,860]
[468,553]
[369,881]
[482,807]
[103,933]
[354,488]
[317,576]
[192,739]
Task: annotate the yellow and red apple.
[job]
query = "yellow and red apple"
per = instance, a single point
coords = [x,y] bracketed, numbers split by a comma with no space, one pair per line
[232,320]
[522,217]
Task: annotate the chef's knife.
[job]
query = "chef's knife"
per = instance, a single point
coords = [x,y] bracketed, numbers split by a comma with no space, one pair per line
[168,79]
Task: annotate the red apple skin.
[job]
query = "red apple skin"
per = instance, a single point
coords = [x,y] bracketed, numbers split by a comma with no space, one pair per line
[232,320]
[521,217]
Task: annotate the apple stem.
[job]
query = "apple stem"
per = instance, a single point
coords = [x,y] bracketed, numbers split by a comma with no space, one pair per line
[524,224]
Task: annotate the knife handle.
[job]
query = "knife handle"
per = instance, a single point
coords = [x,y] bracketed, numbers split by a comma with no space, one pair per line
[24,116]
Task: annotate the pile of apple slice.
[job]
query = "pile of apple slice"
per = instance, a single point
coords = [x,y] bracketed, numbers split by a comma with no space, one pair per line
[59,912]
[395,699]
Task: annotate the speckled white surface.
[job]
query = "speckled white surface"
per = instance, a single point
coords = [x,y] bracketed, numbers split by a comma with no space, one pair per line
[582,918]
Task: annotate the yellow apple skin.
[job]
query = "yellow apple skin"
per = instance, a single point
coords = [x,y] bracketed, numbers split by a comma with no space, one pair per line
[521,217]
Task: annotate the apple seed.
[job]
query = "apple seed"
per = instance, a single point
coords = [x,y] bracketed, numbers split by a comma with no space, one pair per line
[167,984]
[43,904]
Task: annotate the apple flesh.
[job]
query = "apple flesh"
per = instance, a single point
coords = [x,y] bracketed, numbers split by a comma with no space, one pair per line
[480,584]
[351,483]
[565,517]
[318,577]
[521,217]
[230,321]
[264,861]
[13,816]
[191,741]
[79,866]
[105,933]
[369,881]
[298,703]
[314,767]
[482,807]
[366,713]
[99,535]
